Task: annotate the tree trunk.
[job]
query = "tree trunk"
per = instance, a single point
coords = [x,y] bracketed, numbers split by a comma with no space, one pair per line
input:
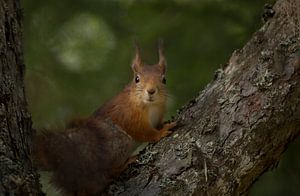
[238,127]
[17,176]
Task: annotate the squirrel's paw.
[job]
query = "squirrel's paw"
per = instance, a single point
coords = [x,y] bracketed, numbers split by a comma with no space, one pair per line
[170,125]
[132,159]
[165,131]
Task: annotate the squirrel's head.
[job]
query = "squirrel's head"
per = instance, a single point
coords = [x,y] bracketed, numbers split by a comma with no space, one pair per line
[149,81]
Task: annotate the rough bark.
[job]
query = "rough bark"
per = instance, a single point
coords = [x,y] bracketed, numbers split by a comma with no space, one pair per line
[238,127]
[17,176]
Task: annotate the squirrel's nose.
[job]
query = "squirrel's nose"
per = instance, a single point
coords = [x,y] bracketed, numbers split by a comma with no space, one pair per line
[151,91]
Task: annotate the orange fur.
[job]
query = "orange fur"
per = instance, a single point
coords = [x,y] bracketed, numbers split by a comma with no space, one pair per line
[131,109]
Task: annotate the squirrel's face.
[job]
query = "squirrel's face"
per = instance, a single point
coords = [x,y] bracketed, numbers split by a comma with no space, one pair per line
[150,84]
[149,81]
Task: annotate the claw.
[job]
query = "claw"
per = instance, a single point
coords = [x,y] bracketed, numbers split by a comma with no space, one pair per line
[131,159]
[165,133]
[170,125]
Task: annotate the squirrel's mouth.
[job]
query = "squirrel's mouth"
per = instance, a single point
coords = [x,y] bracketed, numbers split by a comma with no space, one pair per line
[149,99]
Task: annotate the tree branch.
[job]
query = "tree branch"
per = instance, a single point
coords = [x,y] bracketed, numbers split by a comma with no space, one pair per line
[237,128]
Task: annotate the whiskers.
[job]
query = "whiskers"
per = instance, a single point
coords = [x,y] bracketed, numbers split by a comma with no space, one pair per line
[160,97]
[138,92]
[169,97]
[164,93]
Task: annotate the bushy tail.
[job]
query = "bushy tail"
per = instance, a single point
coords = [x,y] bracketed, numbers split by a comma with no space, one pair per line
[46,150]
[84,157]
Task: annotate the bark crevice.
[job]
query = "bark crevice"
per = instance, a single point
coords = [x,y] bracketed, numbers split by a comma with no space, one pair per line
[17,174]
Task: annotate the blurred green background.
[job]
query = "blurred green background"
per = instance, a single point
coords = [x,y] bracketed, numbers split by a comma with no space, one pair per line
[78,54]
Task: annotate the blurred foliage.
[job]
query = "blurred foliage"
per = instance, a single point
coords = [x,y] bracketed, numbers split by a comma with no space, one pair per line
[78,54]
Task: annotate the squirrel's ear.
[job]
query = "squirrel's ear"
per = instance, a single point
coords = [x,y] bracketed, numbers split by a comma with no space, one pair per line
[137,61]
[162,60]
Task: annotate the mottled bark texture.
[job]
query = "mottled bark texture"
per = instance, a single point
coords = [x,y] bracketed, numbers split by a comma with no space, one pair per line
[17,176]
[238,127]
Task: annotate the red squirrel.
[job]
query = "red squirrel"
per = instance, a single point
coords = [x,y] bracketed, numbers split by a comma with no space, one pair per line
[90,153]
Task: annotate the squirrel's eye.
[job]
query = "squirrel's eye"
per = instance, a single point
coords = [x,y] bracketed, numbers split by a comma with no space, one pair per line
[137,79]
[164,80]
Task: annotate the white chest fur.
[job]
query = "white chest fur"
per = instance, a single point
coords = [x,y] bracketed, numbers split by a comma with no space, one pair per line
[154,115]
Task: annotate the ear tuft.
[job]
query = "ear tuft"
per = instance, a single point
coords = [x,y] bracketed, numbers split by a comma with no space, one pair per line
[137,61]
[162,60]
